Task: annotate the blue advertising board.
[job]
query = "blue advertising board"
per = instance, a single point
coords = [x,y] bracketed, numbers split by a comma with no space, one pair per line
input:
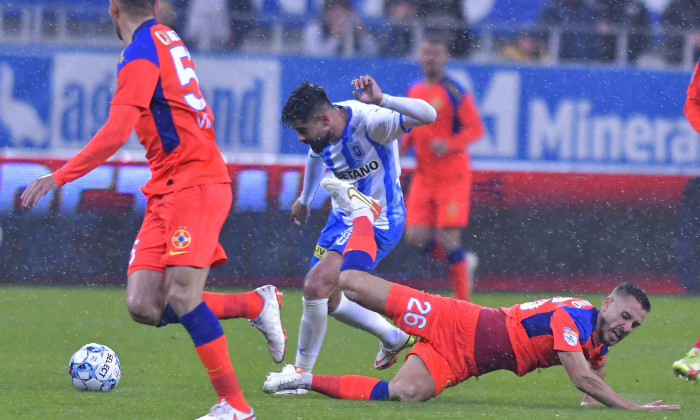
[544,119]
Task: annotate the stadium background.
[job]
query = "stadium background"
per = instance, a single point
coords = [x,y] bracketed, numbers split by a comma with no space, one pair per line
[578,182]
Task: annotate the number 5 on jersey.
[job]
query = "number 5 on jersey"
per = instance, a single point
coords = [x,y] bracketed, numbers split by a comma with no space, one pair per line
[186,75]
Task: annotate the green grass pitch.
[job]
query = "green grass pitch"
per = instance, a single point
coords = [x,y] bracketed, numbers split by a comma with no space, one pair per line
[163,379]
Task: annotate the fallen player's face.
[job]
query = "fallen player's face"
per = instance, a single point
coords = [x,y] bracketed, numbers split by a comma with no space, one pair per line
[620,315]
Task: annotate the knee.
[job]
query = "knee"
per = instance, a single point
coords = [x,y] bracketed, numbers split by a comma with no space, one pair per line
[347,282]
[143,311]
[416,239]
[319,286]
[408,391]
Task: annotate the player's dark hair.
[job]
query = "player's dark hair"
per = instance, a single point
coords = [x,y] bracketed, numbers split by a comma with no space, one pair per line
[303,101]
[636,291]
[138,7]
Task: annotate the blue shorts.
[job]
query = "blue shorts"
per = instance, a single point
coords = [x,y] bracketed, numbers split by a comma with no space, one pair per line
[336,233]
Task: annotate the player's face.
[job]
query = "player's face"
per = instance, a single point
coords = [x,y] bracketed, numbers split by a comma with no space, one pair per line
[620,315]
[315,133]
[432,57]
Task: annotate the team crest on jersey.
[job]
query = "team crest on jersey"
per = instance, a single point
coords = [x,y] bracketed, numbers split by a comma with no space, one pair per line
[181,239]
[356,150]
[570,336]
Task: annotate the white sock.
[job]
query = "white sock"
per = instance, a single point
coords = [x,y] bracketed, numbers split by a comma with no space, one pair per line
[351,313]
[312,330]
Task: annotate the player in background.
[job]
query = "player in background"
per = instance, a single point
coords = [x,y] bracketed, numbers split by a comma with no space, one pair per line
[437,204]
[189,198]
[459,339]
[689,366]
[356,140]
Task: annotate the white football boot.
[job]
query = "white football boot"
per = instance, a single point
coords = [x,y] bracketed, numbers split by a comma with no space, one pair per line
[350,200]
[224,411]
[291,378]
[269,322]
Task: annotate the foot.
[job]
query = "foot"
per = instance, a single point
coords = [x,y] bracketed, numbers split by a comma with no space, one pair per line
[224,411]
[472,264]
[269,322]
[350,200]
[689,366]
[291,378]
[385,358]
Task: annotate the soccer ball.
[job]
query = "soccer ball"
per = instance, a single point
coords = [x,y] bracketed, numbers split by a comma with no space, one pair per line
[95,367]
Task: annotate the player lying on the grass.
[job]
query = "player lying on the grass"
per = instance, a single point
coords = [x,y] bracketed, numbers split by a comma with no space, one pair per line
[459,339]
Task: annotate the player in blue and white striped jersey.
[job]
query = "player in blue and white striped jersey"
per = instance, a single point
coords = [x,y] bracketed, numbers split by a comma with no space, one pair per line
[356,140]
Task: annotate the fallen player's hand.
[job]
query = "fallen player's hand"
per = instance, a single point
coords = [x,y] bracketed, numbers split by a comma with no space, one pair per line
[37,189]
[656,405]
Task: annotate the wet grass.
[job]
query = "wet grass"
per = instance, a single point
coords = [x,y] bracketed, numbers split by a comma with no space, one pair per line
[41,327]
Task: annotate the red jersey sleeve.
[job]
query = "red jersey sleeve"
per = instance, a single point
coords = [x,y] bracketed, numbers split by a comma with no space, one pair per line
[692,102]
[472,128]
[564,332]
[104,144]
[136,83]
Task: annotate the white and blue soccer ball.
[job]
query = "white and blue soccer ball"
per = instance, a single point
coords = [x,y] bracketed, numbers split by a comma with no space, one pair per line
[95,367]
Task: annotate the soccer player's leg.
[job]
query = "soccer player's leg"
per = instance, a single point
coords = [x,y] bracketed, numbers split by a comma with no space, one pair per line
[452,218]
[420,220]
[145,287]
[193,220]
[366,246]
[261,307]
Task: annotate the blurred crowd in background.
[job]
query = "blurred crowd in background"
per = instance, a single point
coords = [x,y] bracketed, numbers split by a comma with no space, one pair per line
[625,32]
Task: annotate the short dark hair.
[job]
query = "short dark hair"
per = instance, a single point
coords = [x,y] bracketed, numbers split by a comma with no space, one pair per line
[139,7]
[636,291]
[303,101]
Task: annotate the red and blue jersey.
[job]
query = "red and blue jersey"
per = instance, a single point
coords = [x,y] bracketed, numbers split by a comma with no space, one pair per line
[539,330]
[156,74]
[692,101]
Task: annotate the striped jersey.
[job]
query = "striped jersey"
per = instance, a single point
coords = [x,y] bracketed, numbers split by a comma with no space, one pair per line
[540,329]
[370,164]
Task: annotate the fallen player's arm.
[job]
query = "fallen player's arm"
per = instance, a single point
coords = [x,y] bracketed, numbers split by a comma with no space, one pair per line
[600,372]
[588,381]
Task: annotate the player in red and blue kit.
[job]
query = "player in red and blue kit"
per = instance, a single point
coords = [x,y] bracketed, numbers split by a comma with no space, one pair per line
[460,339]
[688,366]
[189,198]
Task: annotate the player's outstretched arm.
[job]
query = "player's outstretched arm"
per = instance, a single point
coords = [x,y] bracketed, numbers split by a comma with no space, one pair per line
[580,373]
[113,134]
[418,111]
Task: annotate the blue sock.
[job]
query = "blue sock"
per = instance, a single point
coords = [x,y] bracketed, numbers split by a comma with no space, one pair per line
[357,260]
[202,325]
[455,256]
[430,246]
[380,391]
[169,317]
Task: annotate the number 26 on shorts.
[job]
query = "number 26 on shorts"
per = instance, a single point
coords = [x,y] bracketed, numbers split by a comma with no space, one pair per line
[416,312]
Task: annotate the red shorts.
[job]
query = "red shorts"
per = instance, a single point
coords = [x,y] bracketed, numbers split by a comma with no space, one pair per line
[446,328]
[438,204]
[182,228]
